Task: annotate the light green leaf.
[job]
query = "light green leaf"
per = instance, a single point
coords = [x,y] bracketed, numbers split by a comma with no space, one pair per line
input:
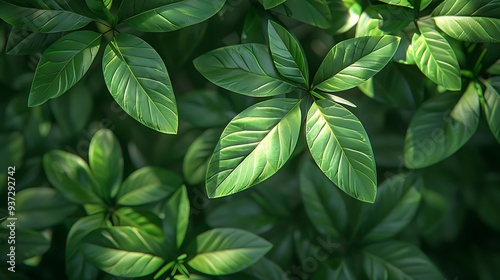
[441,126]
[146,185]
[224,251]
[398,260]
[198,155]
[40,20]
[106,162]
[345,15]
[41,207]
[369,23]
[436,59]
[246,69]
[176,219]
[341,148]
[288,56]
[334,98]
[404,3]
[175,15]
[122,251]
[323,202]
[71,175]
[254,146]
[63,64]
[139,82]
[313,12]
[269,4]
[140,219]
[22,41]
[491,108]
[397,202]
[353,61]
[77,268]
[472,21]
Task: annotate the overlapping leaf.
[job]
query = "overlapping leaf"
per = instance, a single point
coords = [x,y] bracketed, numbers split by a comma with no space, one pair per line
[22,42]
[269,4]
[287,54]
[254,146]
[63,64]
[313,12]
[341,148]
[176,220]
[246,69]
[435,132]
[39,20]
[491,108]
[198,155]
[138,80]
[353,61]
[175,15]
[436,59]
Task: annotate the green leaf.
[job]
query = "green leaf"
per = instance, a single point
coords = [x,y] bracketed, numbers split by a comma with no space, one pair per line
[313,12]
[198,155]
[23,42]
[146,185]
[353,61]
[77,267]
[269,4]
[491,108]
[101,8]
[175,15]
[28,244]
[254,26]
[176,219]
[63,64]
[12,149]
[403,3]
[140,219]
[288,56]
[71,175]
[323,202]
[254,146]
[245,69]
[341,148]
[397,260]
[224,251]
[393,19]
[40,20]
[41,207]
[122,251]
[472,21]
[345,15]
[369,23]
[214,108]
[138,80]
[264,269]
[441,126]
[106,162]
[397,202]
[436,59]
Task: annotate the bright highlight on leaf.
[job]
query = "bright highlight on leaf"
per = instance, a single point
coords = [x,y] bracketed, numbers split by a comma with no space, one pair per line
[254,146]
[340,146]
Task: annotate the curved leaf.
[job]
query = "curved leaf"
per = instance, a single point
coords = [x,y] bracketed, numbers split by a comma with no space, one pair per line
[146,185]
[264,269]
[63,64]
[313,12]
[254,146]
[100,8]
[269,4]
[28,244]
[39,20]
[353,61]
[176,219]
[288,56]
[71,175]
[404,3]
[435,132]
[138,80]
[398,260]
[341,148]
[472,21]
[491,108]
[198,155]
[346,14]
[175,15]
[122,251]
[226,250]
[436,59]
[22,41]
[106,162]
[140,219]
[245,69]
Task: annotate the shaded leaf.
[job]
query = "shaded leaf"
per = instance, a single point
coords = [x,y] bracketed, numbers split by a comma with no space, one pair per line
[269,4]
[143,220]
[345,15]
[22,41]
[313,12]
[491,107]
[204,108]
[198,155]
[28,244]
[176,219]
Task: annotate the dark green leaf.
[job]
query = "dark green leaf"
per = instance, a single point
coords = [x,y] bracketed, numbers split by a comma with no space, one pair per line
[489,199]
[254,146]
[138,80]
[265,269]
[254,27]
[101,8]
[393,19]
[106,162]
[122,251]
[146,185]
[28,244]
[441,126]
[204,108]
[245,69]
[22,41]
[176,219]
[41,20]
[12,150]
[341,148]
[313,12]
[63,64]
[269,4]
[404,3]
[175,15]
[198,155]
[287,54]
[353,61]
[226,250]
[345,15]
[491,108]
